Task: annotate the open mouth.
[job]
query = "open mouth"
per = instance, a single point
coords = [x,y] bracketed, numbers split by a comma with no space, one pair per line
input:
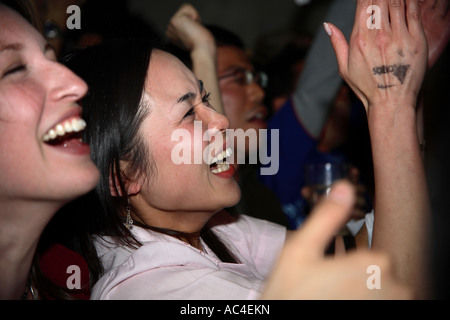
[258,116]
[65,131]
[218,164]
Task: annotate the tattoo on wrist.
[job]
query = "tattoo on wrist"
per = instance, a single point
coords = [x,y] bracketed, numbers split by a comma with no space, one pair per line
[399,71]
[385,86]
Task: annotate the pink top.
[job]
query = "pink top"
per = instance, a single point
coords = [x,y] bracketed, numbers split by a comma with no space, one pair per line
[168,268]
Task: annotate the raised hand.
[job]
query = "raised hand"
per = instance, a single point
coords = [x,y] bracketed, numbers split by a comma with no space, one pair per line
[185,30]
[304,273]
[385,64]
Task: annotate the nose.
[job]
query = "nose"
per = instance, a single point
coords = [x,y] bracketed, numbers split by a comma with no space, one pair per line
[216,121]
[64,84]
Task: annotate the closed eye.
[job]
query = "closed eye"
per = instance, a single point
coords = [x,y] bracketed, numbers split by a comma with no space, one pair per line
[191,112]
[15,69]
[206,99]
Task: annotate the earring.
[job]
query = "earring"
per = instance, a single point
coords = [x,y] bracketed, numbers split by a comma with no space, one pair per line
[129,221]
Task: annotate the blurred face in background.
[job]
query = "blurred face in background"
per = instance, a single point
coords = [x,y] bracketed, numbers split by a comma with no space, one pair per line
[241,94]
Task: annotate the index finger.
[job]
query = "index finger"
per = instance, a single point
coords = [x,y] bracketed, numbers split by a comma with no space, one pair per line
[325,220]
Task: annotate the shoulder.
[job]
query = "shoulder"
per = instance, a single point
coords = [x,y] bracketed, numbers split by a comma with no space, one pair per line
[225,223]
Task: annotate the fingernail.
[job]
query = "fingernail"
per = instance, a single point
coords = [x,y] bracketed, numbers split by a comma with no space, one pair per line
[327,29]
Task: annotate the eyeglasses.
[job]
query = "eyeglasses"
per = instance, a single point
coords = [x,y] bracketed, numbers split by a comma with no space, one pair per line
[245,77]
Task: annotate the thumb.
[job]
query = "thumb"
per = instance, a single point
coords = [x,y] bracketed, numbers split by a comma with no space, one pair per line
[325,220]
[339,44]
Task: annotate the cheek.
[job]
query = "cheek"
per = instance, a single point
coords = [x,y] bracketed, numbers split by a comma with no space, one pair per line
[19,125]
[19,103]
[174,187]
[173,159]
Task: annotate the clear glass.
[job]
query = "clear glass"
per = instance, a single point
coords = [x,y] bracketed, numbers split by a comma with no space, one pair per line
[320,177]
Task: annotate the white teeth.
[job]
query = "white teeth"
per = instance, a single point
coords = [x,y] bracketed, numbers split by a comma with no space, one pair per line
[226,153]
[68,127]
[75,125]
[221,168]
[60,130]
[51,135]
[259,116]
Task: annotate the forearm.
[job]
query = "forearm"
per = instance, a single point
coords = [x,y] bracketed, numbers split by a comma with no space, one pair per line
[401,196]
[204,65]
[320,80]
[185,29]
[420,125]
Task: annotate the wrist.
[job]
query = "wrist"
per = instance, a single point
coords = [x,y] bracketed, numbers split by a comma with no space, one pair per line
[392,115]
[392,105]
[204,51]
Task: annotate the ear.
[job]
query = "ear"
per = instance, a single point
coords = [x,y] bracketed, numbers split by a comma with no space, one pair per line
[132,187]
[112,188]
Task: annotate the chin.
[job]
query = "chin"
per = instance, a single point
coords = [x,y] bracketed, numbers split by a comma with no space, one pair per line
[233,199]
[87,184]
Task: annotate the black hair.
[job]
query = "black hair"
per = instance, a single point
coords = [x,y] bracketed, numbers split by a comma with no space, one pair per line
[113,115]
[222,37]
[225,37]
[114,109]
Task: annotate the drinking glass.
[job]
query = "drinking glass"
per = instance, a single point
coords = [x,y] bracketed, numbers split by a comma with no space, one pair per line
[320,177]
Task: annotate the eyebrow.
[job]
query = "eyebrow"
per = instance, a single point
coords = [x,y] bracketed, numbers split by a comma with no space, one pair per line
[191,95]
[11,47]
[19,47]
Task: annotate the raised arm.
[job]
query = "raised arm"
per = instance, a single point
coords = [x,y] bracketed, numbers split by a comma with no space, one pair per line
[320,81]
[385,67]
[186,31]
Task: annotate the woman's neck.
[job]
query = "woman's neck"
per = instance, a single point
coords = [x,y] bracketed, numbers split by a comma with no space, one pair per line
[186,226]
[21,225]
[192,238]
